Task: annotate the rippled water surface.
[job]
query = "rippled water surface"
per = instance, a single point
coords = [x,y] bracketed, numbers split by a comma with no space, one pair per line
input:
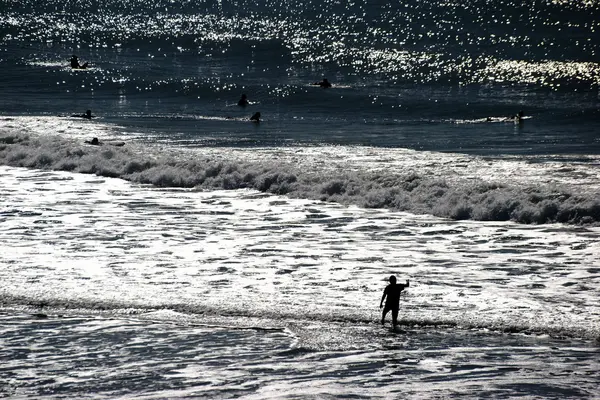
[424,74]
[173,293]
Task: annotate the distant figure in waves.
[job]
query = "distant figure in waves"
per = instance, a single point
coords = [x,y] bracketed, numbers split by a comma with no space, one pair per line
[255,117]
[519,117]
[75,63]
[392,292]
[87,115]
[96,142]
[324,83]
[243,101]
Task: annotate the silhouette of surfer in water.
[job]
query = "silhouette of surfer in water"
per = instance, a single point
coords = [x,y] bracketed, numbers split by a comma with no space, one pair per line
[391,295]
[255,117]
[519,117]
[75,63]
[323,83]
[87,115]
[96,142]
[243,102]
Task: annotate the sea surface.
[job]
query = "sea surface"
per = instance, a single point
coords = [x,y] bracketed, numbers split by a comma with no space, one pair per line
[194,254]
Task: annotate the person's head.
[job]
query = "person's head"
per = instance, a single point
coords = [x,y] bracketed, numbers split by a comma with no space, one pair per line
[244,97]
[95,140]
[521,113]
[392,279]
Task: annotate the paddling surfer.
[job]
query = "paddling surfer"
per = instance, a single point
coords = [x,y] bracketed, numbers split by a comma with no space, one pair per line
[87,115]
[391,295]
[519,117]
[75,63]
[323,83]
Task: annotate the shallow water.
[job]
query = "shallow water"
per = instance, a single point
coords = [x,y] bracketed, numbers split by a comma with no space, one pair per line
[179,293]
[71,356]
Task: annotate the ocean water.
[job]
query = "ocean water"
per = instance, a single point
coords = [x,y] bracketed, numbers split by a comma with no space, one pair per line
[196,254]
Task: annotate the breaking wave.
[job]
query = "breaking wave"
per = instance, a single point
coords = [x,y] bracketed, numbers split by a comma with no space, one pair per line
[377,184]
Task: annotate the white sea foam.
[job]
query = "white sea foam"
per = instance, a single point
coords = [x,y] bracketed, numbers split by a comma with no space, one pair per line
[172,293]
[530,190]
[105,244]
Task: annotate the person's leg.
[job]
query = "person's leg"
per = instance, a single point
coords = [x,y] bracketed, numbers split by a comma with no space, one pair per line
[385,311]
[395,317]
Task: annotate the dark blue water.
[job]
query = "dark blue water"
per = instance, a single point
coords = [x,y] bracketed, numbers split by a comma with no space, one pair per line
[426,75]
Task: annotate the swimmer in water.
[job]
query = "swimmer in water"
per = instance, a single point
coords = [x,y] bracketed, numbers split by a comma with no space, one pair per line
[519,116]
[87,115]
[75,63]
[243,102]
[324,83]
[255,117]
